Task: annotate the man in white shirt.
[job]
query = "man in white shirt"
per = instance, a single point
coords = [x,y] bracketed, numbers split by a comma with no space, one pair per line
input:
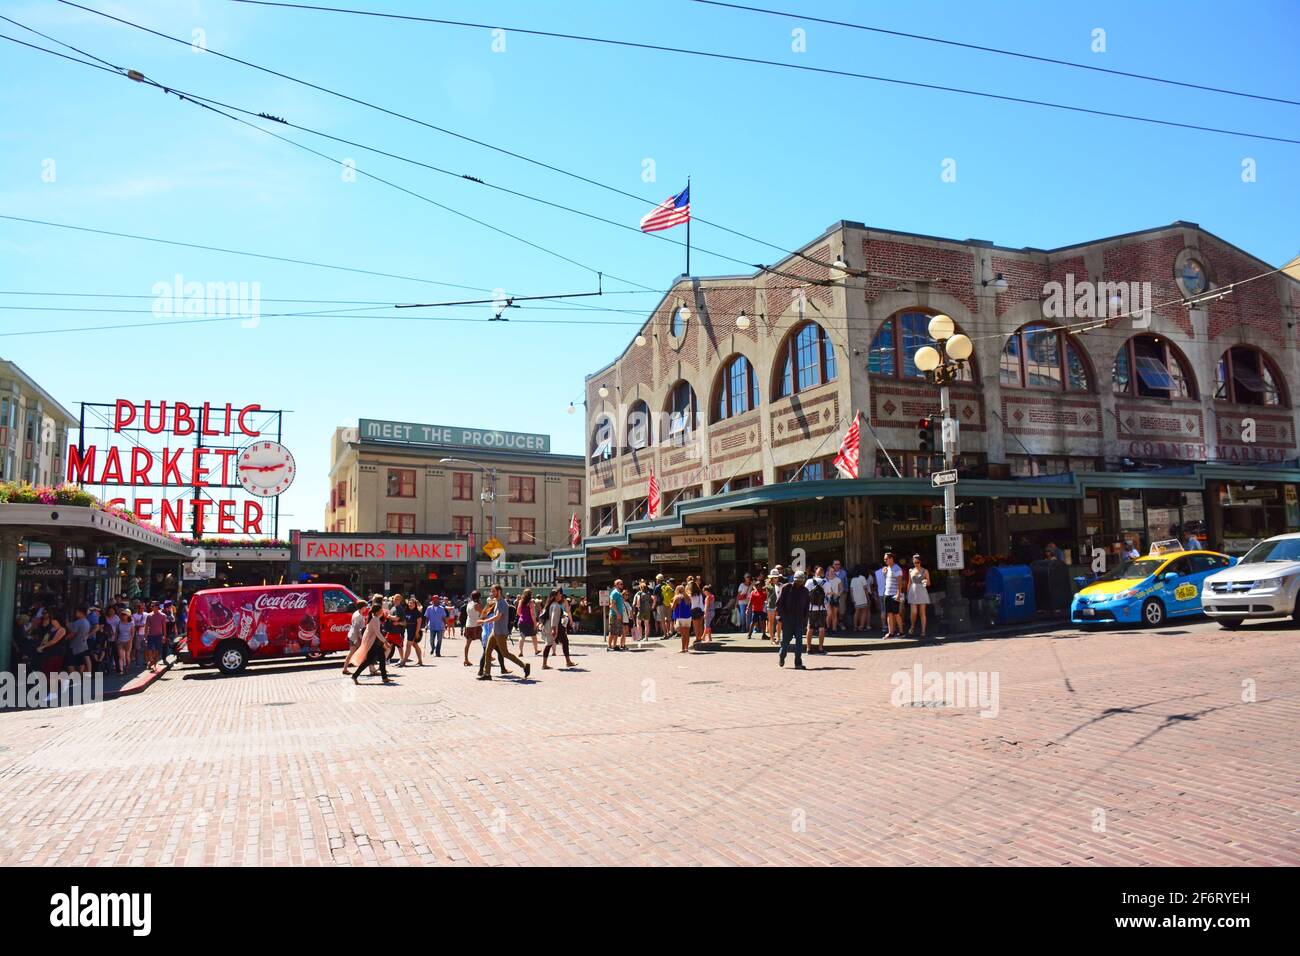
[889,584]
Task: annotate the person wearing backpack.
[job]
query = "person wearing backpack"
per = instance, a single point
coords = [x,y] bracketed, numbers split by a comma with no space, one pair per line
[816,611]
[645,611]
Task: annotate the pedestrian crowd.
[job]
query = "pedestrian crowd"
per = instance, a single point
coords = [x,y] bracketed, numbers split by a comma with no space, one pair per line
[388,630]
[120,637]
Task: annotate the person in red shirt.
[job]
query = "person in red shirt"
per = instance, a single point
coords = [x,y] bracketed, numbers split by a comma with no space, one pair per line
[757,611]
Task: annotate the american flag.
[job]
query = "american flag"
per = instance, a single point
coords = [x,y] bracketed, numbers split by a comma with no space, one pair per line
[652,496]
[846,462]
[673,211]
[575,530]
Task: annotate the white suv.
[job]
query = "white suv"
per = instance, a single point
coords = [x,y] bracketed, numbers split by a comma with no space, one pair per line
[1265,583]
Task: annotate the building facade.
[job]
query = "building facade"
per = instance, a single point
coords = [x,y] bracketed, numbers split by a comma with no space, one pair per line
[1134,388]
[400,478]
[33,430]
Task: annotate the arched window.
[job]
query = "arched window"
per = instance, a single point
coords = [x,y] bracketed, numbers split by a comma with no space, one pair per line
[736,390]
[1246,376]
[638,425]
[806,359]
[1043,356]
[893,350]
[681,413]
[602,438]
[1149,366]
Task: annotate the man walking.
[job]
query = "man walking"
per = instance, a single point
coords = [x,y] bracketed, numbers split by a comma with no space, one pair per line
[496,634]
[792,609]
[435,622]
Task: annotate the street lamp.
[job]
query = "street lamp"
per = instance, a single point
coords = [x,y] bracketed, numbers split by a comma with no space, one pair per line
[941,366]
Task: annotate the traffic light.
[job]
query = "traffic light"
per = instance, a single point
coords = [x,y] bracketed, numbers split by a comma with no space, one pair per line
[925,434]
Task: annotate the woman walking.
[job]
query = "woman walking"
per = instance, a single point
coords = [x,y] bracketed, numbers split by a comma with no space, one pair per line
[527,625]
[412,616]
[394,625]
[356,633]
[918,594]
[682,616]
[555,622]
[372,651]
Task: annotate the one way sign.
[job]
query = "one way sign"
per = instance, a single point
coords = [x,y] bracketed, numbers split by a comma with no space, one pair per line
[942,478]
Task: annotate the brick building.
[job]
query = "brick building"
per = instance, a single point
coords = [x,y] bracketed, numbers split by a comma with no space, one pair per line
[1099,404]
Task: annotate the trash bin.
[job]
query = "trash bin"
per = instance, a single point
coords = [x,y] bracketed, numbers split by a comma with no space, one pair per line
[1053,587]
[1009,594]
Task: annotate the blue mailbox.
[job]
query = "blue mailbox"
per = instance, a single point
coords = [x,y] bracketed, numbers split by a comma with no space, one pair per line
[1011,593]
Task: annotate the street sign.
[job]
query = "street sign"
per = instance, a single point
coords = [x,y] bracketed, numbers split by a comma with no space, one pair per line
[502,566]
[949,547]
[951,428]
[494,548]
[942,478]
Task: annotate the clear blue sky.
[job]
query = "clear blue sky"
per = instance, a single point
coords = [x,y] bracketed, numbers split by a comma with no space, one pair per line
[773,153]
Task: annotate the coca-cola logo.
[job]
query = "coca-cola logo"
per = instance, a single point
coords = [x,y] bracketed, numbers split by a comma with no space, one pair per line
[293,601]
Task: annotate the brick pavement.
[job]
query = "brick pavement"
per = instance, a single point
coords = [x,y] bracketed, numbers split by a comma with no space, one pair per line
[652,757]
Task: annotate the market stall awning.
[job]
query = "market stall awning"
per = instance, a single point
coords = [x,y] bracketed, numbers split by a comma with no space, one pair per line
[84,527]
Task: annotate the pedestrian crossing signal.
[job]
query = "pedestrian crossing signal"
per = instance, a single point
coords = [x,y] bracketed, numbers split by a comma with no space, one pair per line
[925,434]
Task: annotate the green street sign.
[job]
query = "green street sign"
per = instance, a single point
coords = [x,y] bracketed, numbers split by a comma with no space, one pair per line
[410,433]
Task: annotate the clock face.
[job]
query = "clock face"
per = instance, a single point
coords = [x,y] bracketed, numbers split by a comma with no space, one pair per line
[266,469]
[1192,278]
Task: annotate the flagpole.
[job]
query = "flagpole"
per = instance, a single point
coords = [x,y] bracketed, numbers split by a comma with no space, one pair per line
[688,230]
[889,458]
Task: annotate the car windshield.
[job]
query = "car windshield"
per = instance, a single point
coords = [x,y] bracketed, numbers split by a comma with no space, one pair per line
[1137,570]
[1281,549]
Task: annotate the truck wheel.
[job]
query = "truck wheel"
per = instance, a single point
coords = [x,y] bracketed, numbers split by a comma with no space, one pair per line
[231,657]
[1231,623]
[1153,612]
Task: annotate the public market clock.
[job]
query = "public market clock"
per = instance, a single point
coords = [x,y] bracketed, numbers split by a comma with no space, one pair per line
[1191,278]
[266,469]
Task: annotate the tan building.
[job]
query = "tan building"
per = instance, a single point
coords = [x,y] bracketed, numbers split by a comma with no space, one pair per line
[33,430]
[406,478]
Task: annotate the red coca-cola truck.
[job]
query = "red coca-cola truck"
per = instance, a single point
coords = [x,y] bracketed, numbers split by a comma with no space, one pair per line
[229,627]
